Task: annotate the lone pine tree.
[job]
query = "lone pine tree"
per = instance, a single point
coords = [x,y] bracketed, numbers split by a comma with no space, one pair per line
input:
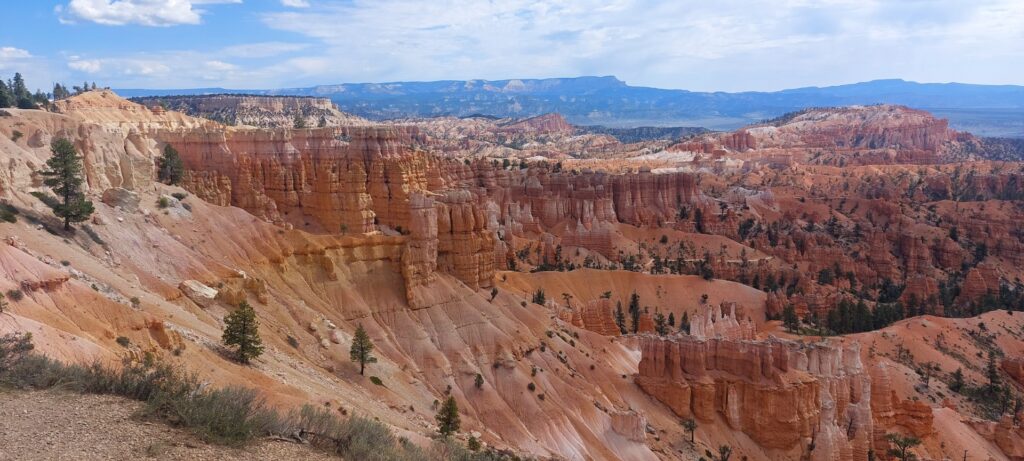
[63,175]
[242,329]
[361,349]
[169,166]
[448,417]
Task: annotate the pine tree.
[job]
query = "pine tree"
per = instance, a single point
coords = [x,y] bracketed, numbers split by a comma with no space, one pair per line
[690,425]
[620,318]
[299,122]
[478,381]
[361,349]
[64,176]
[6,97]
[992,373]
[448,417]
[671,319]
[242,329]
[634,311]
[322,122]
[22,97]
[789,318]
[170,168]
[698,220]
[660,326]
[956,382]
[902,446]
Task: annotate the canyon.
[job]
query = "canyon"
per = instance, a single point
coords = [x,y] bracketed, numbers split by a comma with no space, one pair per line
[507,249]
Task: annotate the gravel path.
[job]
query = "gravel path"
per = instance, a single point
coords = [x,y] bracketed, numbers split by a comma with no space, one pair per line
[51,425]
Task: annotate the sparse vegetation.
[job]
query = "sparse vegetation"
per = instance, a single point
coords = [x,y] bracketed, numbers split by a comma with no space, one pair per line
[228,416]
[15,294]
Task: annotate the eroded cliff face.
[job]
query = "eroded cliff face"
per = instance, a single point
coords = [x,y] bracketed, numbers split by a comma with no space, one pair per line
[808,401]
[458,218]
[883,134]
[258,111]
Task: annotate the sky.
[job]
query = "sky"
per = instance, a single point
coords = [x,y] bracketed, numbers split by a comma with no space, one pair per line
[723,45]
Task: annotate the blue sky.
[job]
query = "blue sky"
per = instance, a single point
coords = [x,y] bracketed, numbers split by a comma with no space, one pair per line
[728,45]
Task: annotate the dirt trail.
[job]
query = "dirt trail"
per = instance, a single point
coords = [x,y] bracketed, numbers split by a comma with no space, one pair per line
[49,425]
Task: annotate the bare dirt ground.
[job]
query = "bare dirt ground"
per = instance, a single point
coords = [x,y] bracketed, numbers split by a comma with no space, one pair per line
[53,425]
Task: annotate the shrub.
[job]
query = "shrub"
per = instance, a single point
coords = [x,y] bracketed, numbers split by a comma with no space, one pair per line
[163,202]
[179,195]
[532,387]
[135,301]
[293,342]
[65,263]
[93,235]
[9,213]
[123,341]
[16,135]
[540,396]
[376,380]
[15,294]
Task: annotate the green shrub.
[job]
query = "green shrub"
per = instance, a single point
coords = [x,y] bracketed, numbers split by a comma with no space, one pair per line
[532,387]
[16,135]
[15,294]
[229,416]
[9,213]
[293,342]
[163,202]
[376,380]
[179,195]
[123,341]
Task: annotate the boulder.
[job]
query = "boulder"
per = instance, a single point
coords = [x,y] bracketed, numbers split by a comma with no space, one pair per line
[119,197]
[199,293]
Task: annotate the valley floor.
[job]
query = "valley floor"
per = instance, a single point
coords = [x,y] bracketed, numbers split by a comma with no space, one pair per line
[51,425]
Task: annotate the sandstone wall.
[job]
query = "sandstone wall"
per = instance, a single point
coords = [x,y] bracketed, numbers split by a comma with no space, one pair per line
[784,395]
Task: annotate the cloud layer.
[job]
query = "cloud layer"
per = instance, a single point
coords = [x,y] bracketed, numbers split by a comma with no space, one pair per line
[141,12]
[702,45]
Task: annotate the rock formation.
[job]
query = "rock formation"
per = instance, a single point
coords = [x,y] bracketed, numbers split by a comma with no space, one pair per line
[805,400]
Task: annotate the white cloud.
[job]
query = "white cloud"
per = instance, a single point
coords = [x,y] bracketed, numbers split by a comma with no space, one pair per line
[89,66]
[142,12]
[722,45]
[10,52]
[295,3]
[262,49]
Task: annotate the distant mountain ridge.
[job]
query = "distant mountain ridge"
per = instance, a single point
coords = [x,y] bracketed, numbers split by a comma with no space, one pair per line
[986,110]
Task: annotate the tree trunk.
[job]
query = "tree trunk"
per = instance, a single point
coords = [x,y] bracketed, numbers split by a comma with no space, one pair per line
[362,367]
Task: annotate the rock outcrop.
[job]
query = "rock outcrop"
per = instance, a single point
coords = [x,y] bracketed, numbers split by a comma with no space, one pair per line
[784,395]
